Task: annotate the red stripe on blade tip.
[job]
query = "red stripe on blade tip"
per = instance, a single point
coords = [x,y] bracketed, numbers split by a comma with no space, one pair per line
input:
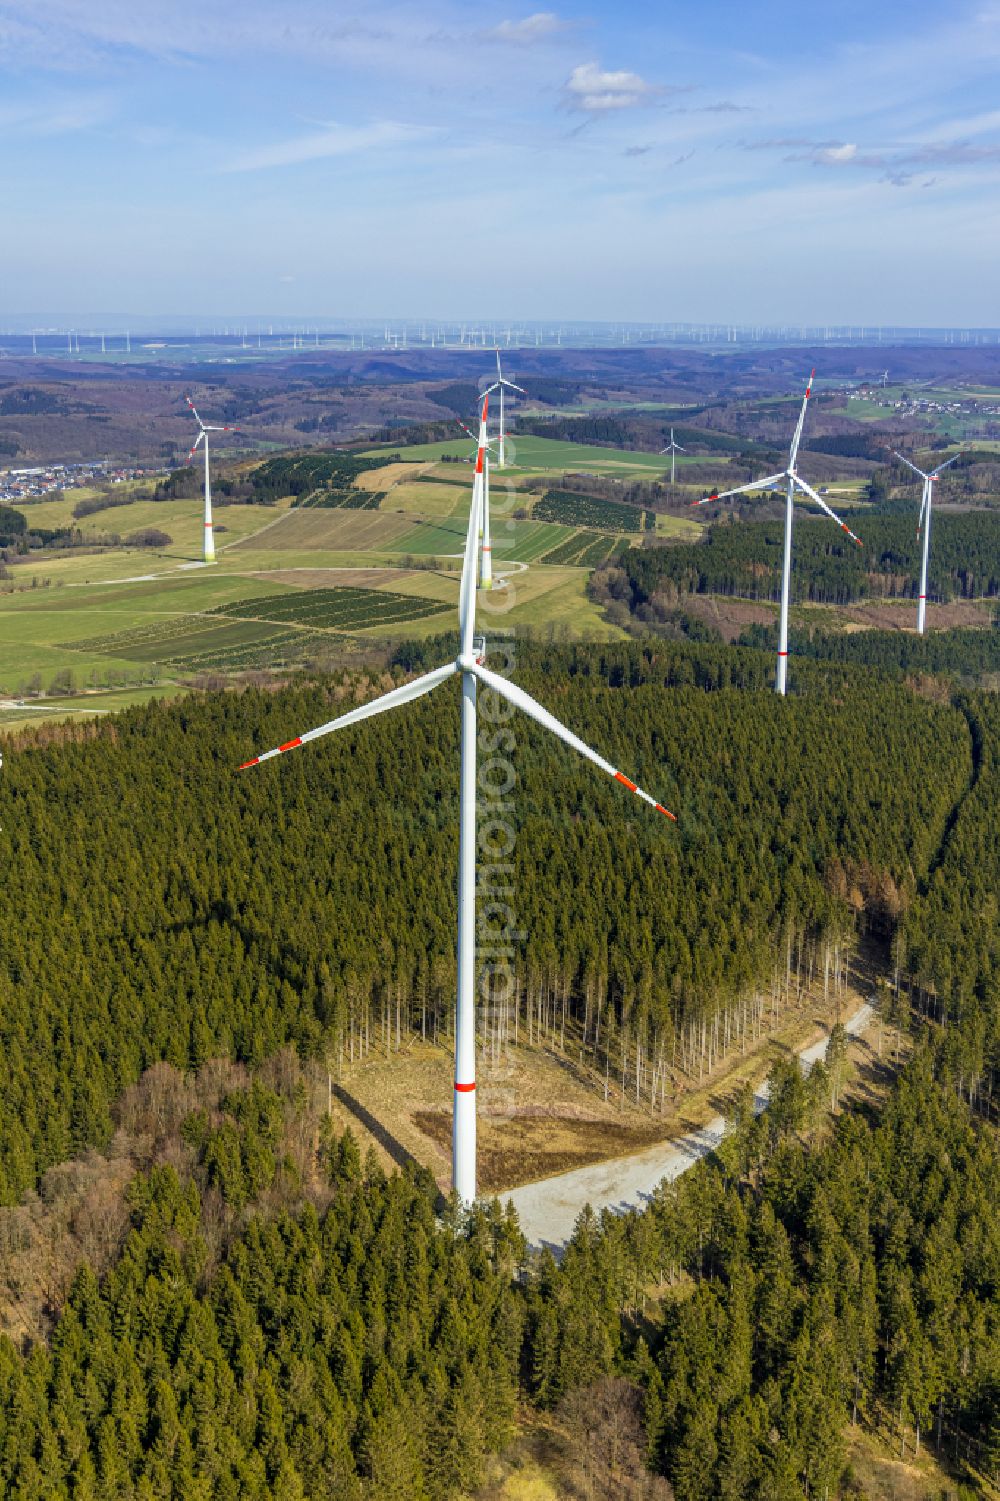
[247,764]
[291,744]
[621,777]
[666,812]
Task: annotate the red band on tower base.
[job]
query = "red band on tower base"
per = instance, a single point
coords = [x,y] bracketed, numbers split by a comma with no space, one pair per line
[464,1088]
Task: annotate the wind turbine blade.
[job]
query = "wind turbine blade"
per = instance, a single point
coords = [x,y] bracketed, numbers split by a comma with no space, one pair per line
[824,507]
[797,439]
[935,472]
[924,495]
[194,410]
[906,461]
[404,695]
[467,590]
[757,484]
[194,446]
[534,710]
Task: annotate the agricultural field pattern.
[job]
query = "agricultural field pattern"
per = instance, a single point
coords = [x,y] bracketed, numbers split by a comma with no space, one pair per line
[279,629]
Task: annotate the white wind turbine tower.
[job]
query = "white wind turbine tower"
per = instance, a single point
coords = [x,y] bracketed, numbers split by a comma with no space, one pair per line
[925,522]
[469,665]
[485,543]
[673,449]
[794,482]
[205,429]
[500,384]
[483,530]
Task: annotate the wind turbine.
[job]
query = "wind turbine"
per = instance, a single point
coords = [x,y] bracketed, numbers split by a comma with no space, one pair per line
[925,522]
[500,384]
[205,429]
[794,481]
[673,449]
[469,665]
[483,530]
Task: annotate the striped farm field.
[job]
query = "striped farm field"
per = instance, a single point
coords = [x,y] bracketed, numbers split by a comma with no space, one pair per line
[338,609]
[584,549]
[528,541]
[187,640]
[434,539]
[331,530]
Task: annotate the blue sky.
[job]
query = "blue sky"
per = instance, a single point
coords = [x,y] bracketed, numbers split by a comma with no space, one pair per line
[696,161]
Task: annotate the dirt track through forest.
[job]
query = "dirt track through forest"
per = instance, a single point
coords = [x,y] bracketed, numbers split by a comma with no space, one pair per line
[549,1209]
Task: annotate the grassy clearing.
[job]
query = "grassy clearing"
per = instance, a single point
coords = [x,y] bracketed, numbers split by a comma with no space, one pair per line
[385,478]
[84,705]
[550,455]
[182,520]
[57,511]
[684,527]
[883,1476]
[428,502]
[329,530]
[547,597]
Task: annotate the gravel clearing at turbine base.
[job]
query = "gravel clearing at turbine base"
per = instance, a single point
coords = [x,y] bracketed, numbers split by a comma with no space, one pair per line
[548,1210]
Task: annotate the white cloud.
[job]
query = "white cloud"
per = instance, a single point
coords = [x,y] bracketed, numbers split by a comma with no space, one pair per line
[332,140]
[591,89]
[535,28]
[835,155]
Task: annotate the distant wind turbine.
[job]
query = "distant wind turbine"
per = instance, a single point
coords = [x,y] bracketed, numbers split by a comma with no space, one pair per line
[794,481]
[925,522]
[673,449]
[469,665]
[205,429]
[500,384]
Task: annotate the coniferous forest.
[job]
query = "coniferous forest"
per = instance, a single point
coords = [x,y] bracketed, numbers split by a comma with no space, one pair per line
[827,568]
[192,910]
[808,1279]
[264,1332]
